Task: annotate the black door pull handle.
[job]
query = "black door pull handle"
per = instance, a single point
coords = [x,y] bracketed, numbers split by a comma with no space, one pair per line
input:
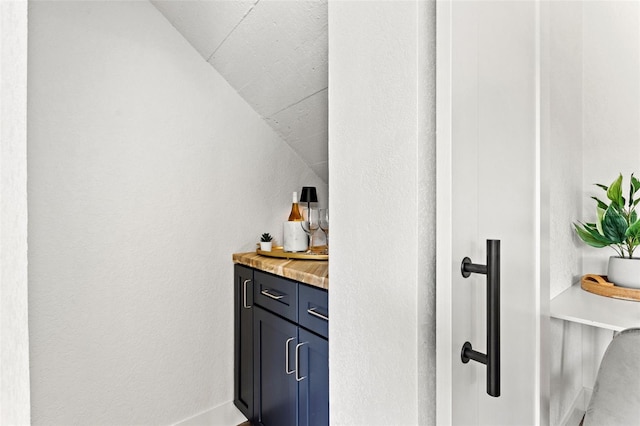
[492,358]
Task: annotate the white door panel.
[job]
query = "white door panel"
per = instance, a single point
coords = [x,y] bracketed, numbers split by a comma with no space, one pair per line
[489,153]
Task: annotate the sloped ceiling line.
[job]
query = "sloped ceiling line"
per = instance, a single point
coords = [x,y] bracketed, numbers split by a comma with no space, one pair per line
[301,100]
[232,30]
[274,54]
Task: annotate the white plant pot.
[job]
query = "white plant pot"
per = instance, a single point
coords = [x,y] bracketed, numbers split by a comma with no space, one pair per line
[265,245]
[624,272]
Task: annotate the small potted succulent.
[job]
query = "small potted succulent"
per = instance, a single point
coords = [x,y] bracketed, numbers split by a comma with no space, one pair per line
[266,241]
[617,226]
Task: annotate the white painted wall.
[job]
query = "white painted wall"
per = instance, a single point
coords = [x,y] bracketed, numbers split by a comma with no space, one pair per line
[382,167]
[274,53]
[146,172]
[14,335]
[611,99]
[564,71]
[611,116]
[594,63]
[565,115]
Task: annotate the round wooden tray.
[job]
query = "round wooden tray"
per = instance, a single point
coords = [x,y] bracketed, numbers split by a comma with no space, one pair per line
[279,252]
[598,284]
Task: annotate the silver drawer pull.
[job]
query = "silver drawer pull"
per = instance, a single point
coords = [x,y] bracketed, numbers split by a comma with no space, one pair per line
[298,378]
[317,314]
[244,294]
[286,356]
[272,296]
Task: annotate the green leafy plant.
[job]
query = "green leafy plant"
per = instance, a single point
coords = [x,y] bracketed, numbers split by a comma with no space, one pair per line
[266,237]
[617,225]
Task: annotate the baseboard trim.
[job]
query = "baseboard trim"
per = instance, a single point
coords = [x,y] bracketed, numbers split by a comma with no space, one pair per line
[223,415]
[577,409]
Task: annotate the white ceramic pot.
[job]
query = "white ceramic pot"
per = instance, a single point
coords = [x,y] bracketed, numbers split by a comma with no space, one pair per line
[624,272]
[266,245]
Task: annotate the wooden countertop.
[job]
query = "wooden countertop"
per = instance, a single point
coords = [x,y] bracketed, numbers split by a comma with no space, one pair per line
[312,272]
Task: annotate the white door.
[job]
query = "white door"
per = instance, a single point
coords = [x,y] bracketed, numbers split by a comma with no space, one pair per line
[488,186]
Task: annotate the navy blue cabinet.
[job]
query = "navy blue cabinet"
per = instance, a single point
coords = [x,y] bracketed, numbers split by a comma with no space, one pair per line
[243,340]
[277,295]
[313,389]
[313,310]
[275,386]
[290,359]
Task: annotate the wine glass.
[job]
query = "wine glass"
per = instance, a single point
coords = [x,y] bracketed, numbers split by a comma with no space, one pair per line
[324,225]
[310,224]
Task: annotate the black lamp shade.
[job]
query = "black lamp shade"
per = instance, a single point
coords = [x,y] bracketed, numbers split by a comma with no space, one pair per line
[308,194]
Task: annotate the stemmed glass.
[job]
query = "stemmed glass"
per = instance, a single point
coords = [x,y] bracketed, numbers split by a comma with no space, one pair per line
[310,224]
[324,225]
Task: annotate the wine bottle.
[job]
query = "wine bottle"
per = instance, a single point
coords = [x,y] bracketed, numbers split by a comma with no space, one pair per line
[294,237]
[295,215]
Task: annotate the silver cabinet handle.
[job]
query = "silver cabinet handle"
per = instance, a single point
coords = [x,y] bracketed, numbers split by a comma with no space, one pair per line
[286,356]
[273,296]
[244,294]
[312,311]
[298,378]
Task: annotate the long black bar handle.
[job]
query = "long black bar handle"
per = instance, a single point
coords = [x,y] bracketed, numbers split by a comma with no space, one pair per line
[492,358]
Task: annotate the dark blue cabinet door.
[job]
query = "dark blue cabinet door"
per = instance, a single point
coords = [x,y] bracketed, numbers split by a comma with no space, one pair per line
[276,294]
[313,390]
[313,309]
[243,340]
[275,391]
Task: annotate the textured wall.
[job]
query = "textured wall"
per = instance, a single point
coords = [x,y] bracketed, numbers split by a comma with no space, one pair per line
[611,36]
[565,92]
[381,178]
[611,117]
[565,134]
[425,193]
[14,336]
[274,53]
[146,171]
[594,131]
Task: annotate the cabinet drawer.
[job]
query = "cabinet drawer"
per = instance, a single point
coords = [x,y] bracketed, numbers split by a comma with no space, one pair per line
[313,309]
[276,294]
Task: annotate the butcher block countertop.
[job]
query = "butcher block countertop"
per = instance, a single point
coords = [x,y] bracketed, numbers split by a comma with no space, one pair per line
[312,272]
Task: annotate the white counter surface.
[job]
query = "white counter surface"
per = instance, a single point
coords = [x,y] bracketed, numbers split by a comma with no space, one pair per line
[578,305]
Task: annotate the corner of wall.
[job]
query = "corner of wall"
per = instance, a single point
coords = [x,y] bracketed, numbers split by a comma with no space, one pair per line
[15,403]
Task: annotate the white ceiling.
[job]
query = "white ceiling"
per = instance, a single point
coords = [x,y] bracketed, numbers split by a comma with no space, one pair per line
[274,54]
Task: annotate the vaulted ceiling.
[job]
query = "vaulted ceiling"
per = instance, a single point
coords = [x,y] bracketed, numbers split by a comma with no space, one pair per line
[274,54]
